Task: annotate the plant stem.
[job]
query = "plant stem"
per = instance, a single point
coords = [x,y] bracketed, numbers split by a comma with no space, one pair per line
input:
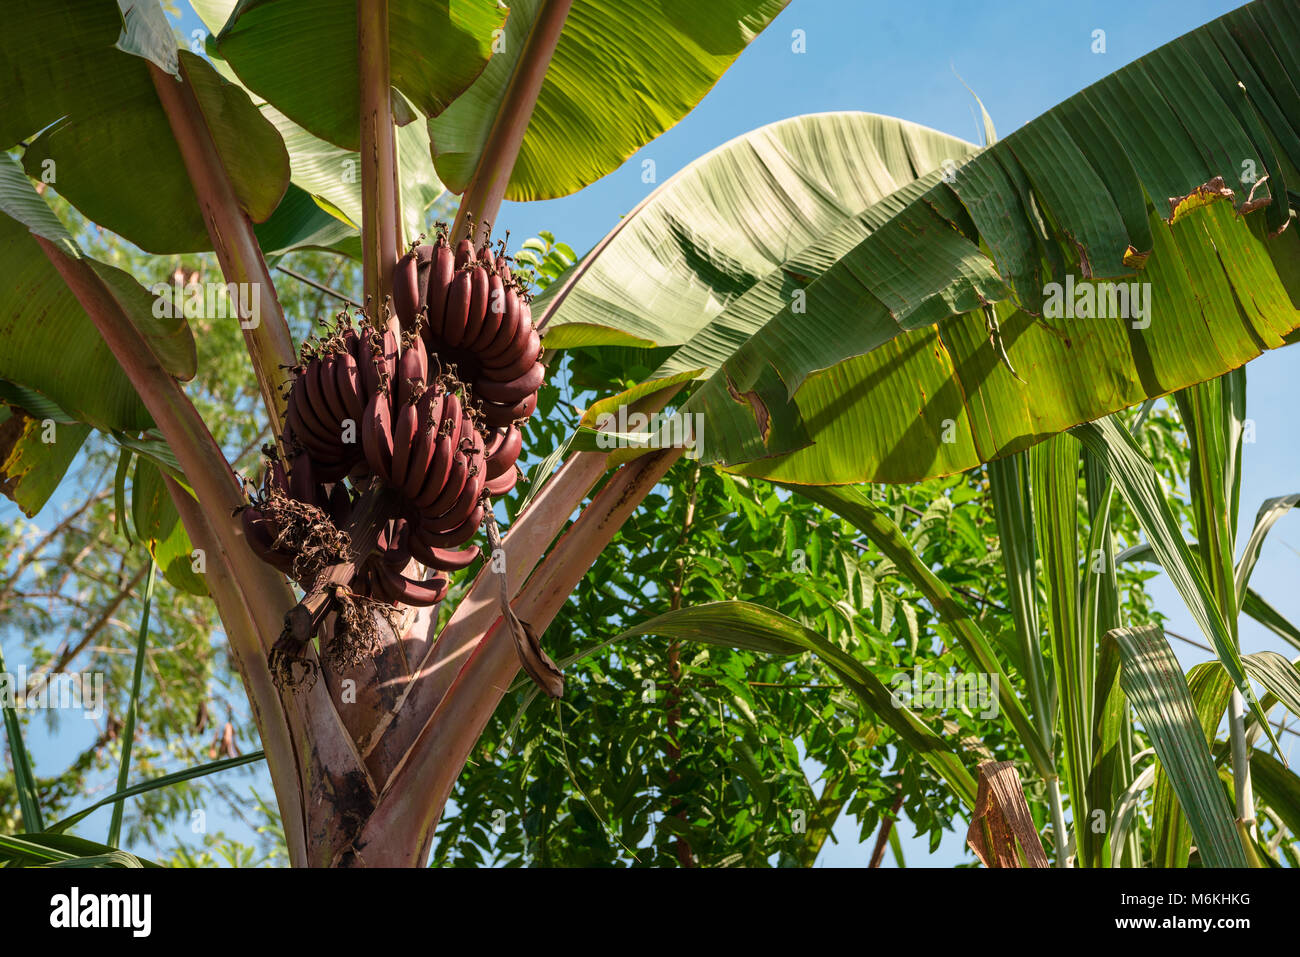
[1058,819]
[133,708]
[886,828]
[266,333]
[379,200]
[1241,783]
[248,649]
[487,187]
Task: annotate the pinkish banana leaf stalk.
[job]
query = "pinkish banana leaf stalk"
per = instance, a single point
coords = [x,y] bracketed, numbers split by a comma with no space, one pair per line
[380,199]
[266,333]
[487,187]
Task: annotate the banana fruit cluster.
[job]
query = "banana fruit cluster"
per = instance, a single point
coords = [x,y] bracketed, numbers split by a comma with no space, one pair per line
[434,413]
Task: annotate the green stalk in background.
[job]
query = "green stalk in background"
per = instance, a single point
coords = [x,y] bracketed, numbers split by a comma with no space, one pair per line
[1213,414]
[1054,476]
[128,731]
[1014,514]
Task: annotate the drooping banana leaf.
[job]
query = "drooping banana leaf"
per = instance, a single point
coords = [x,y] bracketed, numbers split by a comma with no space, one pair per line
[714,251]
[889,366]
[738,624]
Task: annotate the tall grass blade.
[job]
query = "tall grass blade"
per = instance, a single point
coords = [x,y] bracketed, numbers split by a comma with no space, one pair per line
[1272,510]
[1134,476]
[1013,512]
[1156,686]
[1210,689]
[1121,821]
[162,781]
[1213,415]
[1257,608]
[133,709]
[24,779]
[47,850]
[1054,478]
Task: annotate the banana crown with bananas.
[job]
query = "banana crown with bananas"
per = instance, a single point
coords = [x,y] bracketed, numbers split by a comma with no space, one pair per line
[434,412]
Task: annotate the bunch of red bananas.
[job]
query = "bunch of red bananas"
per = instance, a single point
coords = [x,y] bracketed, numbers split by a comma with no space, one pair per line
[478,320]
[434,413]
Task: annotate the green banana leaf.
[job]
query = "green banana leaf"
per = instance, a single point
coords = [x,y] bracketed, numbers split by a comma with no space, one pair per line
[333,174]
[77,75]
[55,365]
[301,55]
[159,526]
[301,221]
[890,368]
[328,174]
[708,256]
[620,75]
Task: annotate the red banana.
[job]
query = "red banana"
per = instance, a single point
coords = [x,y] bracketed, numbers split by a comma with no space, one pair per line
[453,327]
[441,271]
[404,435]
[510,390]
[377,436]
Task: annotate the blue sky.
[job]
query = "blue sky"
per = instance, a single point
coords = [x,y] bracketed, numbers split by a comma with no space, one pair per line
[901,59]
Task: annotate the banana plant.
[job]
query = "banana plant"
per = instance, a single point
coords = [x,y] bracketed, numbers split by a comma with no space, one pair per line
[851,298]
